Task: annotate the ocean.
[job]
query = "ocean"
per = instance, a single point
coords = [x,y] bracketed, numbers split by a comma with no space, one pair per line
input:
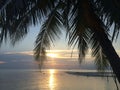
[53,79]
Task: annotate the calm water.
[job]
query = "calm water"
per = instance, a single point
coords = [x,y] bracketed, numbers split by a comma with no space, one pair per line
[51,80]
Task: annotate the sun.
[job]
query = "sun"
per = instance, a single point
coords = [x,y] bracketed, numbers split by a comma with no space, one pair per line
[52,55]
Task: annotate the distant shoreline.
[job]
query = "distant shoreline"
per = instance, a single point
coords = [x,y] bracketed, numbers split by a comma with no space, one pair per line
[71,72]
[92,74]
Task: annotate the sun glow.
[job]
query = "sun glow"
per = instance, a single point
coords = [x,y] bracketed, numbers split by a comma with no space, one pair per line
[52,55]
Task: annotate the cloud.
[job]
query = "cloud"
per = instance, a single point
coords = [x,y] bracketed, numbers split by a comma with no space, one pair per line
[2,62]
[64,54]
[23,53]
[63,61]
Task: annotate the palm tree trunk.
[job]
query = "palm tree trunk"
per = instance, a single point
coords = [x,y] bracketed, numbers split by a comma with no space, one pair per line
[94,23]
[110,52]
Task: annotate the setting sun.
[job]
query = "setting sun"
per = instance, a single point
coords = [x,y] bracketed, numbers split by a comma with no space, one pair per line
[52,55]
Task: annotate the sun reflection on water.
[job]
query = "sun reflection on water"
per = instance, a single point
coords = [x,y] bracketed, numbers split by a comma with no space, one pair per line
[52,79]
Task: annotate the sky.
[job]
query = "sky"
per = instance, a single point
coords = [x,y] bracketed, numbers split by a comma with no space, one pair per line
[27,44]
[58,57]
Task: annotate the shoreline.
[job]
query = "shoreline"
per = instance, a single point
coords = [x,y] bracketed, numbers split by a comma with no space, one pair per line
[71,72]
[92,74]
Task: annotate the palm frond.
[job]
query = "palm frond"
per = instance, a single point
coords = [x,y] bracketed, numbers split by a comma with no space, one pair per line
[66,13]
[21,15]
[3,4]
[49,32]
[101,60]
[109,13]
[78,32]
[3,31]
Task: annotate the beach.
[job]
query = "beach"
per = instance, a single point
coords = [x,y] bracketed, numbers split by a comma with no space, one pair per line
[52,79]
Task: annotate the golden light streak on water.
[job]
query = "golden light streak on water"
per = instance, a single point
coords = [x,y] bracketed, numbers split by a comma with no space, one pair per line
[52,79]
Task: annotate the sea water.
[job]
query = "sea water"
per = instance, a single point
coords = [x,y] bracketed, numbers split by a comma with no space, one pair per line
[52,79]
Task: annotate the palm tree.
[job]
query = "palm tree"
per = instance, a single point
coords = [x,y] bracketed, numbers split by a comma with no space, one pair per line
[87,23]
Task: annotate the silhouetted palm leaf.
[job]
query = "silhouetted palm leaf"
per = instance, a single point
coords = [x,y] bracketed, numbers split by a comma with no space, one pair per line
[101,60]
[21,15]
[109,12]
[49,31]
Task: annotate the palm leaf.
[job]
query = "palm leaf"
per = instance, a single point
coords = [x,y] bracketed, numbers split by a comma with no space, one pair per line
[109,13]
[15,23]
[78,32]
[49,31]
[97,52]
